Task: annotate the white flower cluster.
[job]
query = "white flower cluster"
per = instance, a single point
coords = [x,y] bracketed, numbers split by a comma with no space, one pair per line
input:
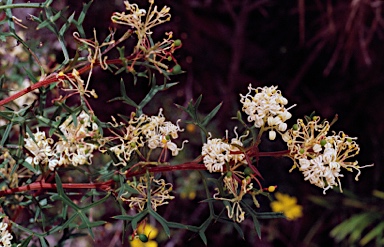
[153,132]
[266,106]
[6,237]
[217,152]
[159,193]
[319,156]
[235,211]
[71,148]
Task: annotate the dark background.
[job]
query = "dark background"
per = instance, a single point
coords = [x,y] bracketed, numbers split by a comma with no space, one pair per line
[325,56]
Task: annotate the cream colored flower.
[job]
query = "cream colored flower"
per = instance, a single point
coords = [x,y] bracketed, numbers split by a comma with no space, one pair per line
[71,148]
[266,108]
[158,189]
[141,20]
[40,147]
[235,211]
[6,237]
[320,156]
[217,152]
[153,132]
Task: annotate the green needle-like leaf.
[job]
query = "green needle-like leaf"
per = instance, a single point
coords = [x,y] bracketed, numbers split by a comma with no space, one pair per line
[209,117]
[162,221]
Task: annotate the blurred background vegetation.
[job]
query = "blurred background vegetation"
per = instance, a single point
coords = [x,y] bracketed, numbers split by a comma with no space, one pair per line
[324,55]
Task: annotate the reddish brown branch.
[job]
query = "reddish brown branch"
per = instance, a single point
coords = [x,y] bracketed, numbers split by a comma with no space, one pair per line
[55,78]
[43,185]
[195,165]
[180,167]
[192,165]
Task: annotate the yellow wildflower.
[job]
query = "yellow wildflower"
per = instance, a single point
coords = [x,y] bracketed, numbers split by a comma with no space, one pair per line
[150,232]
[287,205]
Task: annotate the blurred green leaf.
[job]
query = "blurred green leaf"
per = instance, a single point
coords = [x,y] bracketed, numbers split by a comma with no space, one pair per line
[376,232]
[352,226]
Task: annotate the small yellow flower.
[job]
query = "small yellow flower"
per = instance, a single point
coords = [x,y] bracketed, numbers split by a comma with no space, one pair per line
[191,127]
[287,205]
[149,231]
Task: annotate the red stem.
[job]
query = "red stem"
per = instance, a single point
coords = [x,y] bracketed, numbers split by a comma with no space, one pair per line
[43,185]
[193,165]
[180,167]
[55,78]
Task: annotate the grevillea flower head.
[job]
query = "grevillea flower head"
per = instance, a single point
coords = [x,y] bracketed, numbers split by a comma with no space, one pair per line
[145,131]
[5,236]
[217,152]
[72,146]
[160,133]
[141,20]
[235,211]
[320,156]
[158,190]
[266,108]
[40,147]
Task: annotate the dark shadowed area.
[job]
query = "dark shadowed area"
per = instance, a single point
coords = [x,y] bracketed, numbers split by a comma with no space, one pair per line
[325,56]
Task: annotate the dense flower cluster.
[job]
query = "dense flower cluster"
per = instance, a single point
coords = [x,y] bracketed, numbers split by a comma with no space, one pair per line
[319,156]
[71,148]
[217,152]
[6,237]
[158,189]
[235,211]
[266,106]
[153,132]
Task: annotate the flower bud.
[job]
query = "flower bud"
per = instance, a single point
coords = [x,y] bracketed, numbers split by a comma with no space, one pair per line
[248,171]
[177,43]
[143,238]
[272,135]
[271,188]
[176,69]
[323,142]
